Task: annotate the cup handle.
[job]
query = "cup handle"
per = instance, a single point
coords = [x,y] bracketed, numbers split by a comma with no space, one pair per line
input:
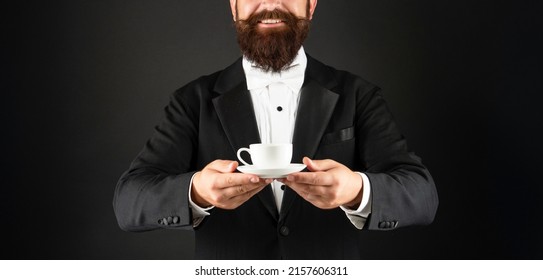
[239,154]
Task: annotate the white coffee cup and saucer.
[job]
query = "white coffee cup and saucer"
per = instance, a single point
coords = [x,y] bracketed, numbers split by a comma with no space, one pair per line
[269,161]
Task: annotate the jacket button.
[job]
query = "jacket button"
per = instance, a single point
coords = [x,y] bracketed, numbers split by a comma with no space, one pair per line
[382,225]
[159,221]
[165,221]
[170,220]
[387,224]
[175,220]
[284,231]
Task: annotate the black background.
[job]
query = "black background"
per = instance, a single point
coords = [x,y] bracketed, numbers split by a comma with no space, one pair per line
[85,82]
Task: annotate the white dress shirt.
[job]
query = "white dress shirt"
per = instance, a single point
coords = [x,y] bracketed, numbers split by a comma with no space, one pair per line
[275,99]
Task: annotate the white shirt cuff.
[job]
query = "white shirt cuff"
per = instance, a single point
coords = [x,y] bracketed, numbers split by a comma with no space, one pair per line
[198,213]
[358,217]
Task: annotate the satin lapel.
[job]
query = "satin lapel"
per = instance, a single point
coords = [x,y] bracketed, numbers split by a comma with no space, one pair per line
[235,111]
[314,112]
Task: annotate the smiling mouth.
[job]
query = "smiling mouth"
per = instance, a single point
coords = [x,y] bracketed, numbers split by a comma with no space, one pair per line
[271,21]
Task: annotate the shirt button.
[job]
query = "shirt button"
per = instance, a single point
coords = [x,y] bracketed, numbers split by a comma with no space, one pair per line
[284,231]
[279,108]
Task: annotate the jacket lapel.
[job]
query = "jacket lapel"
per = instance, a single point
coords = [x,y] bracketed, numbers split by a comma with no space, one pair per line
[317,103]
[235,111]
[314,112]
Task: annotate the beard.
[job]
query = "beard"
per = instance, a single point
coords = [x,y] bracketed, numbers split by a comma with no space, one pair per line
[272,49]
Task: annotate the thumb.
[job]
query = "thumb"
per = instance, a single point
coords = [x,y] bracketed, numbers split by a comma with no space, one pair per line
[319,165]
[224,166]
[311,165]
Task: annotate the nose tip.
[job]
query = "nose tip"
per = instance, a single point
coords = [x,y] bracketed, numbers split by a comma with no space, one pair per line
[271,5]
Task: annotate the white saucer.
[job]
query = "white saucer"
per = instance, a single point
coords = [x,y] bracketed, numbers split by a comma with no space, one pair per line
[274,173]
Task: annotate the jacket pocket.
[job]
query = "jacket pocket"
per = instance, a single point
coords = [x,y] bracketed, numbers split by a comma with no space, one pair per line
[338,136]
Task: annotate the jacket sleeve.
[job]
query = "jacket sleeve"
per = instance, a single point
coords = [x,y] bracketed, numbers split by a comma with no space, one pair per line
[153,192]
[403,191]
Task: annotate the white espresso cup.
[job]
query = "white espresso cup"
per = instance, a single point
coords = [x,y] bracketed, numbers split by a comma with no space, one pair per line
[268,155]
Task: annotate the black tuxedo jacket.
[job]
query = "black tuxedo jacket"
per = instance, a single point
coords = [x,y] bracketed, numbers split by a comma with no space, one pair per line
[340,117]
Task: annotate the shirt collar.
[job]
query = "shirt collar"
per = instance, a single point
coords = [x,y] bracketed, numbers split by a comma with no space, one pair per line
[292,76]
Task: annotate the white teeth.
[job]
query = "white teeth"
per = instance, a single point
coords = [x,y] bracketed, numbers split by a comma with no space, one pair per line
[270,21]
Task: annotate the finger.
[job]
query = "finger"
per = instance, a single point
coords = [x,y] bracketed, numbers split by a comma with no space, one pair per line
[304,189]
[234,179]
[241,190]
[315,199]
[223,166]
[311,178]
[236,201]
[320,201]
[223,197]
[319,165]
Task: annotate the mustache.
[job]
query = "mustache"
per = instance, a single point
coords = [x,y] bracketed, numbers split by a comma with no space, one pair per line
[284,16]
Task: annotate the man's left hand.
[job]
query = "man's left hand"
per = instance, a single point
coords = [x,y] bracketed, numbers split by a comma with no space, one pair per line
[329,184]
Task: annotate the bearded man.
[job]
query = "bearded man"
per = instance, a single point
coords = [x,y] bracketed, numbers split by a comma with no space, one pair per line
[360,174]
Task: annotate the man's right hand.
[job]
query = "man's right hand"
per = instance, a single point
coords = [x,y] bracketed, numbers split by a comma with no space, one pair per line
[217,185]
